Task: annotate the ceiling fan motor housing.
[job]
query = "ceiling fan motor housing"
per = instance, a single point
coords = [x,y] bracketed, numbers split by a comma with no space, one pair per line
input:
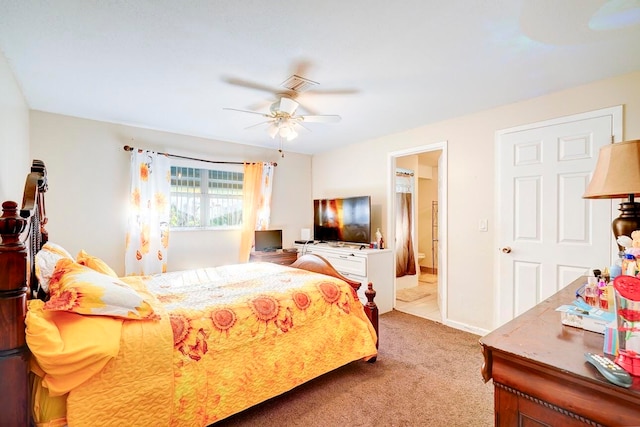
[284,106]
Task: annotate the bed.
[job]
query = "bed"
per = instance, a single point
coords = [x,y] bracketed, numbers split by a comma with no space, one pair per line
[179,348]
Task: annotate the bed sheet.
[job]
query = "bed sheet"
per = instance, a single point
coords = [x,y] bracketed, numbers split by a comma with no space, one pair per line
[228,338]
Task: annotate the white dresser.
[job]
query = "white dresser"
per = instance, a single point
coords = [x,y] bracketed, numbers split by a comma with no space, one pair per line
[362,265]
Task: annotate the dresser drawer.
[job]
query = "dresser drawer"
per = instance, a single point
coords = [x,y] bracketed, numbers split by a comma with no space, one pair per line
[347,264]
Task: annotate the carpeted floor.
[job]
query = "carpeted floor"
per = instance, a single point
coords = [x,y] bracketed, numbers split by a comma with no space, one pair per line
[427,374]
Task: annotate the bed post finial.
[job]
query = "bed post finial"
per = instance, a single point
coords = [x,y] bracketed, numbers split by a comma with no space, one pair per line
[14,355]
[11,224]
[372,309]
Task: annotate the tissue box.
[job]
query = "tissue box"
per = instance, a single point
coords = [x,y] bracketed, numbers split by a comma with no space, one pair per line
[582,315]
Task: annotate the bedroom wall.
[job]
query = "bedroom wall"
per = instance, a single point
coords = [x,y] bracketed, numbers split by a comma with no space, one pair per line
[14,135]
[471,181]
[88,173]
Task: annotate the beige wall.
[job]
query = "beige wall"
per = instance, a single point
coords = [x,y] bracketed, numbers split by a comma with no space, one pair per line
[88,174]
[14,135]
[471,181]
[427,193]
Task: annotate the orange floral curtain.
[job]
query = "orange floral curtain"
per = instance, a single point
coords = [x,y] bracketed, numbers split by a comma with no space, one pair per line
[256,203]
[147,239]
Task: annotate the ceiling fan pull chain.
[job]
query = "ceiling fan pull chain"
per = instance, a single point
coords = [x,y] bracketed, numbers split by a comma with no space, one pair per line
[280,148]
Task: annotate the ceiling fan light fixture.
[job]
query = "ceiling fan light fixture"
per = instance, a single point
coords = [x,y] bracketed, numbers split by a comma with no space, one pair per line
[292,134]
[285,132]
[273,130]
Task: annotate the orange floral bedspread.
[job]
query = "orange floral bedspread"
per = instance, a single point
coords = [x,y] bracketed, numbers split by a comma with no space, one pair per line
[237,335]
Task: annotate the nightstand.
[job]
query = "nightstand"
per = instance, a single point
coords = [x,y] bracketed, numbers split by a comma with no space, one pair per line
[276,257]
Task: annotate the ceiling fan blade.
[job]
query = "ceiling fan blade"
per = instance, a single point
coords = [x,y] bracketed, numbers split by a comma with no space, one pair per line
[288,105]
[321,119]
[250,112]
[260,105]
[251,85]
[334,92]
[298,126]
[301,67]
[259,124]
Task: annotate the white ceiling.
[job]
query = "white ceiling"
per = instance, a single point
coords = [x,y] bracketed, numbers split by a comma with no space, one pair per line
[392,65]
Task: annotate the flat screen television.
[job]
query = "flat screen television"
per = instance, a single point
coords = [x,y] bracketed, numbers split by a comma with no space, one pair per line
[268,240]
[342,220]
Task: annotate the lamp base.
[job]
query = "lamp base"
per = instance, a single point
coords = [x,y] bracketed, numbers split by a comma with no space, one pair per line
[628,221]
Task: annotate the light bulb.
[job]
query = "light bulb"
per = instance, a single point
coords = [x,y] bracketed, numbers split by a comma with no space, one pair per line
[292,134]
[285,131]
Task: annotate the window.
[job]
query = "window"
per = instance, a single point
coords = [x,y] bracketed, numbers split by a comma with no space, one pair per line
[206,198]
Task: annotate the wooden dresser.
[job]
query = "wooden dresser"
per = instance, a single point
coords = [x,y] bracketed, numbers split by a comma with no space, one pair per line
[542,379]
[276,257]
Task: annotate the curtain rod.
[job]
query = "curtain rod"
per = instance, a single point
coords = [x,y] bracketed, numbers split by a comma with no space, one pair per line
[130,148]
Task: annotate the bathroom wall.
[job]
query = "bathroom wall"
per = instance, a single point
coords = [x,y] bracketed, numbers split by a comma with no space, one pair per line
[427,193]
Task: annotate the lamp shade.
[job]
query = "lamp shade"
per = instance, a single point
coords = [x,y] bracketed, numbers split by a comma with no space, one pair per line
[617,172]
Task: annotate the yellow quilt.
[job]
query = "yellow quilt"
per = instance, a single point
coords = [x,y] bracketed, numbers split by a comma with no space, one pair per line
[228,338]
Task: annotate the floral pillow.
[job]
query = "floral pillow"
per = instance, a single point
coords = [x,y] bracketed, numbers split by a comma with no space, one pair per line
[79,289]
[46,260]
[95,263]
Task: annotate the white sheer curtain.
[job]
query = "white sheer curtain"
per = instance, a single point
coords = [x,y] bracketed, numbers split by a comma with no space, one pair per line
[147,237]
[256,203]
[263,215]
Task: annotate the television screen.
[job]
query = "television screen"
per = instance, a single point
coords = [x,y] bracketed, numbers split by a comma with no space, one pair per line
[268,240]
[342,219]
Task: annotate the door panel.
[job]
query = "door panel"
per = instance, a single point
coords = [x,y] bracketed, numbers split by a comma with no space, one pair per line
[527,275]
[528,209]
[573,216]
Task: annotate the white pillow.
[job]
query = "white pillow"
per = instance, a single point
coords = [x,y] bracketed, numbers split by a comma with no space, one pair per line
[46,260]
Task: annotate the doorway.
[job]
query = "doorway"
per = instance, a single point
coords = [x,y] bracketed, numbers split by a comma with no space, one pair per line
[421,171]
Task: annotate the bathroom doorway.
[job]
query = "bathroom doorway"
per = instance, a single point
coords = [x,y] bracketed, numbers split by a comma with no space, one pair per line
[421,172]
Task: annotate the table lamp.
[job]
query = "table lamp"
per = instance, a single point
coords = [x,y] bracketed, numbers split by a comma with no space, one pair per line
[616,176]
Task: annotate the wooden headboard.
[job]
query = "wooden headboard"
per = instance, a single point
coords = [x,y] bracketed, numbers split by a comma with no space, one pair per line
[22,234]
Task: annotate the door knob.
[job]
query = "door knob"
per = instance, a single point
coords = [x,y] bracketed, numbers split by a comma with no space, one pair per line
[506,250]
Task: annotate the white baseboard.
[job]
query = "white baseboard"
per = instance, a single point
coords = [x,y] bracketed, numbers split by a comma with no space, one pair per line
[464,327]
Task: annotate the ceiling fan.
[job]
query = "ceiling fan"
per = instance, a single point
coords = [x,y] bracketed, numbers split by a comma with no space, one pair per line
[282,118]
[283,121]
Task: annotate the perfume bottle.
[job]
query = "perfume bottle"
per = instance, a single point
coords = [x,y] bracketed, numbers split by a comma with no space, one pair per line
[379,239]
[591,291]
[604,294]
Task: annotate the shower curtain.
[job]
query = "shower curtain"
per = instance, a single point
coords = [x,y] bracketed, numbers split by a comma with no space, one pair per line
[405,260]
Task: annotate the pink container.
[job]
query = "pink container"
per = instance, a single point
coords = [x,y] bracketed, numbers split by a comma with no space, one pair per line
[627,308]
